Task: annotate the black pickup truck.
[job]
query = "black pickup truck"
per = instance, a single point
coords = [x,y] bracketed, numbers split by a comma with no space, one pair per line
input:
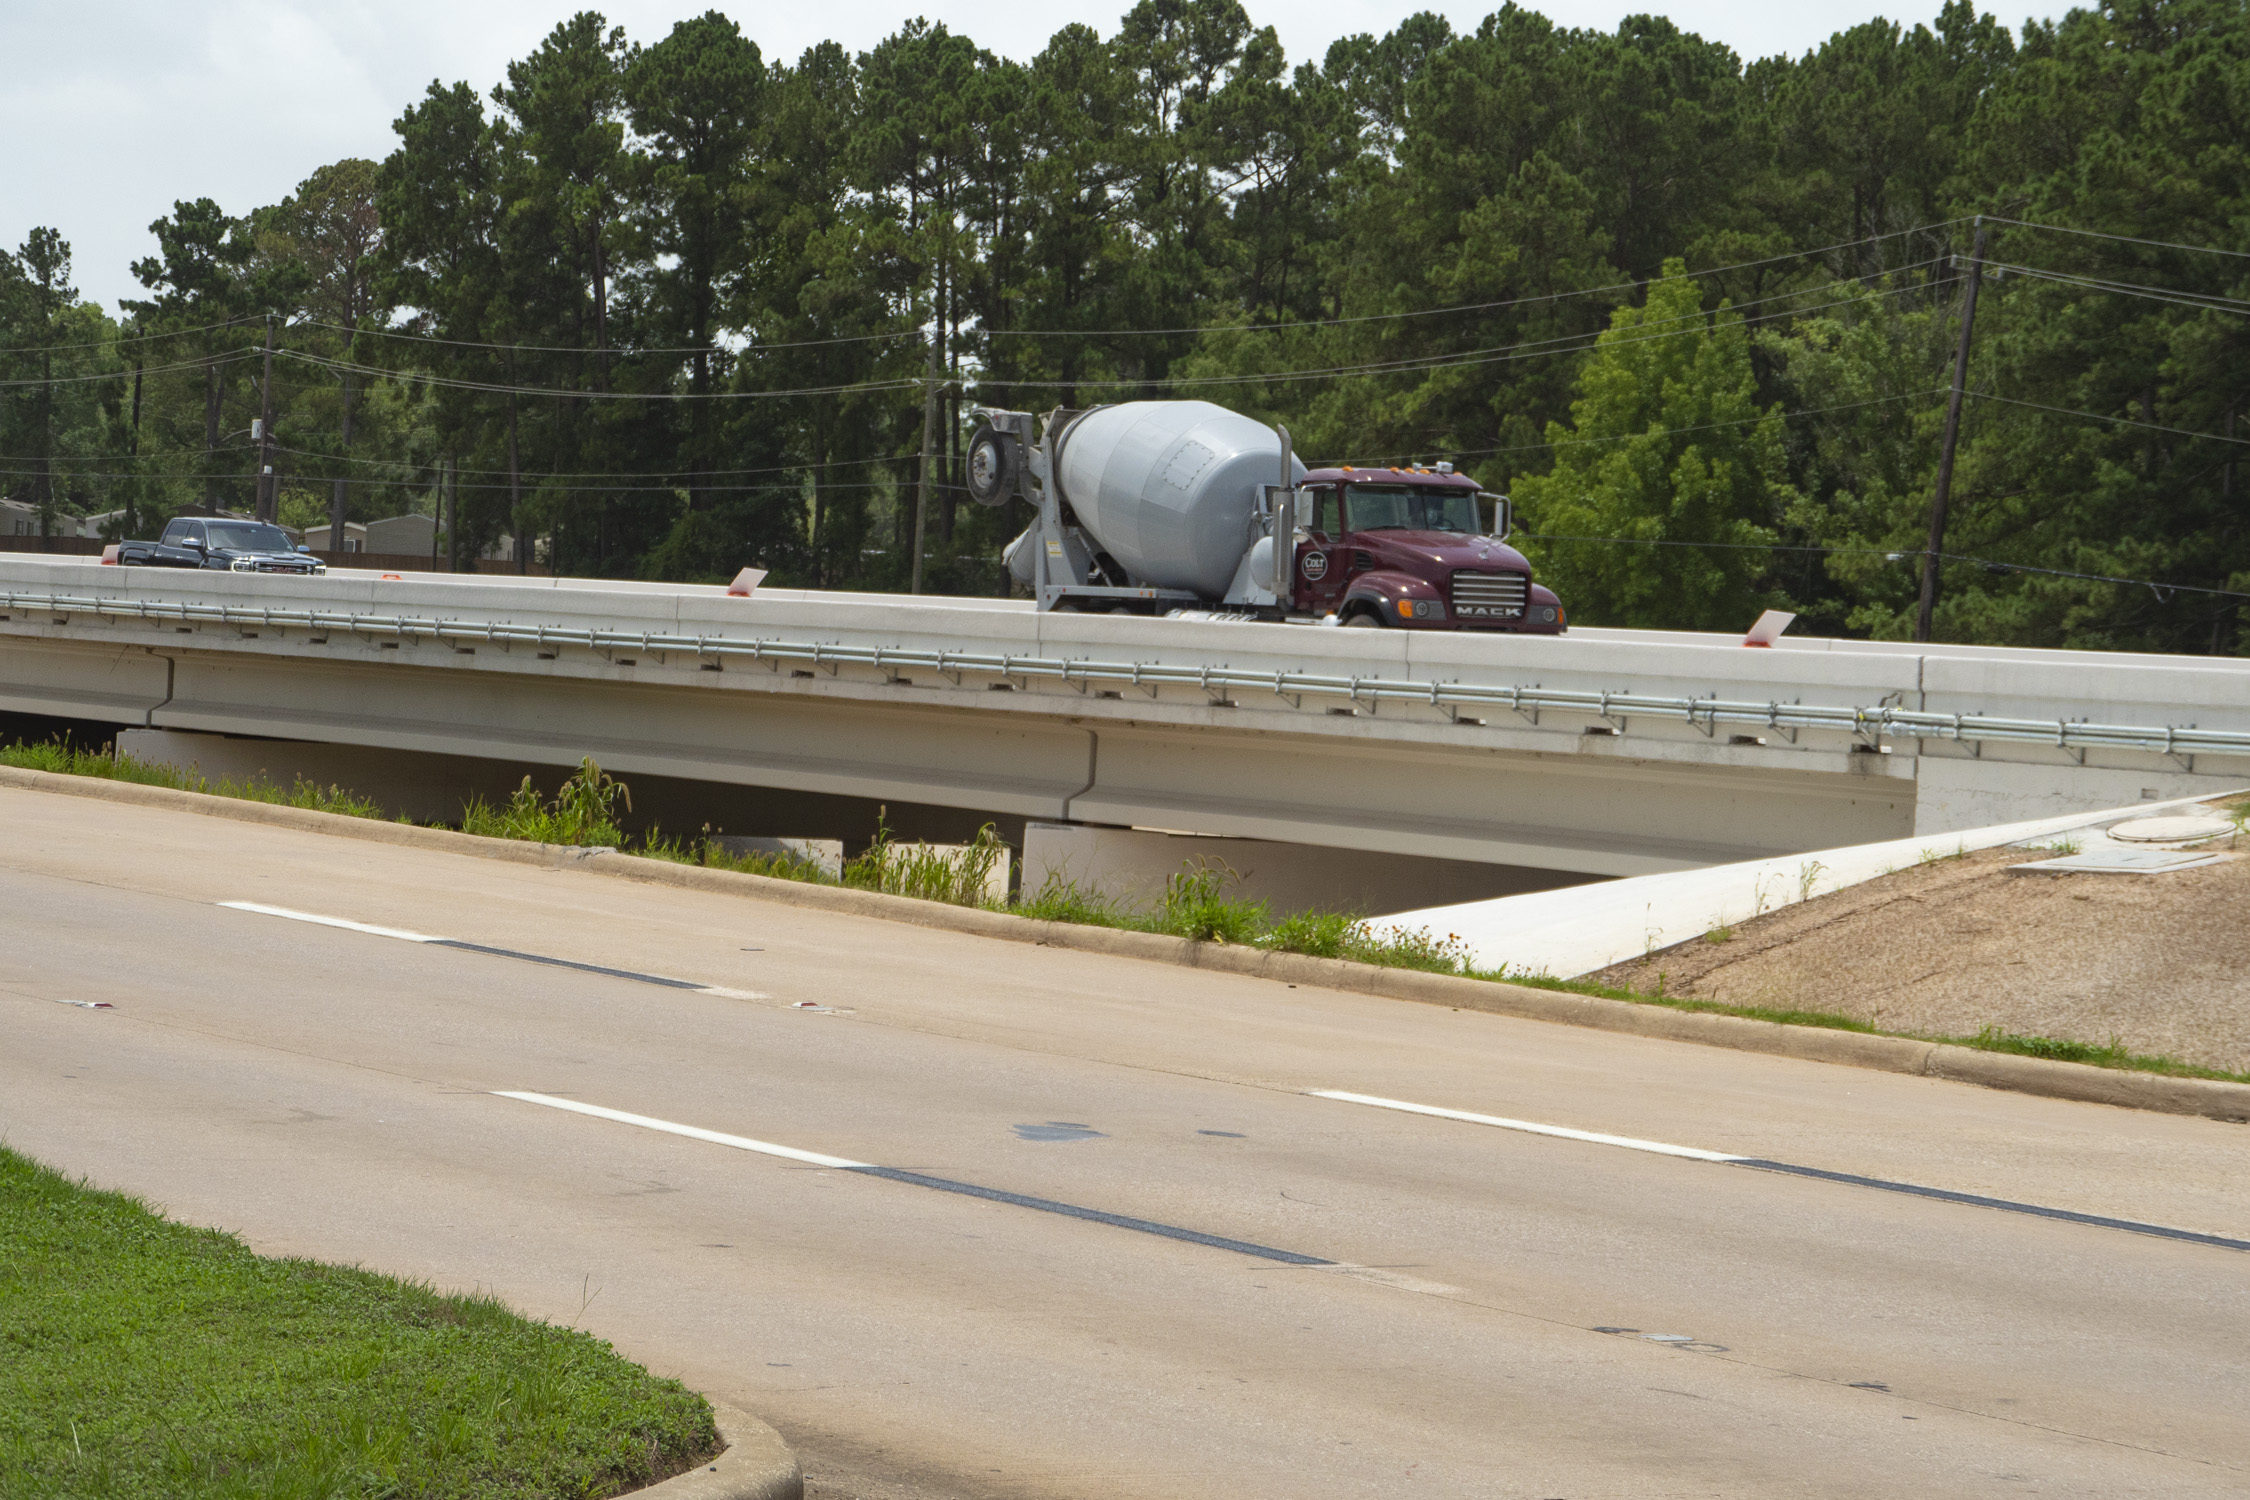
[219,542]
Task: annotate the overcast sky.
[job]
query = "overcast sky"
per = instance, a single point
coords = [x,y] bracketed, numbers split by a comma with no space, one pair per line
[115,108]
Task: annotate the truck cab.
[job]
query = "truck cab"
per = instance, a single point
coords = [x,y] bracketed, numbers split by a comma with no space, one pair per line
[1422,549]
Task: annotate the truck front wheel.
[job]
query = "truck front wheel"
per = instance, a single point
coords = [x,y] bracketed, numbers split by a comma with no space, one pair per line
[1364,621]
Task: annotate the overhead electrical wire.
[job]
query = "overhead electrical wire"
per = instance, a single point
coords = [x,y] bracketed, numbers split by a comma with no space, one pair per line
[2126,239]
[1891,554]
[2206,301]
[1562,344]
[202,363]
[2095,416]
[1091,333]
[1628,437]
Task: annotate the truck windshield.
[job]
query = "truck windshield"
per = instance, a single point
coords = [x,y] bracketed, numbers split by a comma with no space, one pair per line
[1403,507]
[250,536]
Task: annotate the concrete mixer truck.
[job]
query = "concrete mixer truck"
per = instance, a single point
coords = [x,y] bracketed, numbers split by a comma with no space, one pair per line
[1163,507]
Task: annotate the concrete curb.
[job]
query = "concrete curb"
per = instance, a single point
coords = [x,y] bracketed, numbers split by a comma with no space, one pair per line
[757,1465]
[2210,1098]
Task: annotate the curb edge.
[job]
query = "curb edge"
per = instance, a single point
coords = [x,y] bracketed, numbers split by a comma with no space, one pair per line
[756,1465]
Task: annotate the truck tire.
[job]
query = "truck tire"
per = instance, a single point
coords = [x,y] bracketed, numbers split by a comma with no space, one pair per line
[1364,621]
[995,466]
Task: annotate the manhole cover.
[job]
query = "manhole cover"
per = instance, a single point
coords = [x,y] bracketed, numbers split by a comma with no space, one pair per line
[2169,830]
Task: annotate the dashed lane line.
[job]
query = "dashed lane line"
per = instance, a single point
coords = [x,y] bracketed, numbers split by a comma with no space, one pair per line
[694,986]
[924,1180]
[1791,1169]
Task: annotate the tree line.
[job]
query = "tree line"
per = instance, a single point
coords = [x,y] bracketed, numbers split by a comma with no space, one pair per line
[663,310]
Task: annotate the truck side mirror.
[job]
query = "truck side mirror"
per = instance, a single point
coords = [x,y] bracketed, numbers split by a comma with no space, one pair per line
[1503,516]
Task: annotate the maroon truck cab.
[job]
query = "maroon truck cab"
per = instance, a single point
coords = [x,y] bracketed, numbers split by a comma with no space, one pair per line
[1413,548]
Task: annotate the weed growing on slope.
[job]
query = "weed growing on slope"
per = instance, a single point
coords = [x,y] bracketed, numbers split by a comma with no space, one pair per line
[583,814]
[960,877]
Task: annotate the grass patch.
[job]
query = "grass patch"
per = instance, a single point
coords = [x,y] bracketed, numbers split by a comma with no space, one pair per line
[68,760]
[583,814]
[147,1358]
[2112,1054]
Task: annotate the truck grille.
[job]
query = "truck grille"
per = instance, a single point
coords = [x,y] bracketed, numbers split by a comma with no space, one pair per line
[1489,596]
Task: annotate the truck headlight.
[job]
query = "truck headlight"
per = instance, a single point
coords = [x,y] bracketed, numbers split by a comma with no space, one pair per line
[242,565]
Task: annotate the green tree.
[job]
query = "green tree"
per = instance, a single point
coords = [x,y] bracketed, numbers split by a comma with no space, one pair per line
[1671,470]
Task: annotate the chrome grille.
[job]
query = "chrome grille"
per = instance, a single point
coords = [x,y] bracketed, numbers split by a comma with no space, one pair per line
[1489,596]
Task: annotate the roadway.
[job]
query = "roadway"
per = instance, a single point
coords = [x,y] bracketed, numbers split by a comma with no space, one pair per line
[1399,1303]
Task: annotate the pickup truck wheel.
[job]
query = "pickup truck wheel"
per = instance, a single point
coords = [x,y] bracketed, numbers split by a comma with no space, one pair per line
[1363,622]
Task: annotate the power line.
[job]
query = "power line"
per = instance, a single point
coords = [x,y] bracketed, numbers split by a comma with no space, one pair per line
[2160,589]
[206,362]
[2095,416]
[2127,239]
[127,338]
[1090,333]
[624,353]
[1564,344]
[1627,437]
[2207,301]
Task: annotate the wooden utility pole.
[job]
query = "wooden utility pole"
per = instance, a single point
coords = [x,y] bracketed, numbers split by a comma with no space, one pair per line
[929,430]
[515,481]
[268,506]
[133,487]
[1944,494]
[453,516]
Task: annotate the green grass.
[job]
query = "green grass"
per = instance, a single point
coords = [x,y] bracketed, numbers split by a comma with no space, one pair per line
[1195,903]
[66,760]
[583,814]
[139,1357]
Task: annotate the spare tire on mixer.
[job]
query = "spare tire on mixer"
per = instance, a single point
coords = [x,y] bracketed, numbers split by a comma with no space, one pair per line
[995,466]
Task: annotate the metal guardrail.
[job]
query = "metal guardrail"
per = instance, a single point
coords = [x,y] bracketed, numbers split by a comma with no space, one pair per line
[1869,724]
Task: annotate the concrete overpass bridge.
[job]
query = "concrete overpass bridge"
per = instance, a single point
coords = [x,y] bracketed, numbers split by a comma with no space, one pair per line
[1600,753]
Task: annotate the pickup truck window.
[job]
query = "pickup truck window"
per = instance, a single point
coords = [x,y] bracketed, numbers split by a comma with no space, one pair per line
[250,536]
[1403,507]
[174,534]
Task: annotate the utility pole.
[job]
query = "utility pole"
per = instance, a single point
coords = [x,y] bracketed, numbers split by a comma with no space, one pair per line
[1952,433]
[133,486]
[929,430]
[269,503]
[453,516]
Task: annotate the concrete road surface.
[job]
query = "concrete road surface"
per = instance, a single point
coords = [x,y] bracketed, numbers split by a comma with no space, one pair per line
[1112,1245]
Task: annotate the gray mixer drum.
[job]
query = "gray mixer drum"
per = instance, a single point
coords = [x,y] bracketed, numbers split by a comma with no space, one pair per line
[1170,488]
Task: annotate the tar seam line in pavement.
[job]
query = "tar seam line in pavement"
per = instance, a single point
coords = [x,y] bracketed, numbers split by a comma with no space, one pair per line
[566,963]
[428,941]
[1759,1163]
[2005,1205]
[1094,1215]
[919,1179]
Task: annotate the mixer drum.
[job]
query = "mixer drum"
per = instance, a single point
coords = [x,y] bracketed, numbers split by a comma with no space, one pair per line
[1170,488]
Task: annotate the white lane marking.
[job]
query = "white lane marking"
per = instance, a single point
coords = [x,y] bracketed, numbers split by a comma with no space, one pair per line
[1393,1279]
[320,921]
[1528,1127]
[692,1132]
[261,909]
